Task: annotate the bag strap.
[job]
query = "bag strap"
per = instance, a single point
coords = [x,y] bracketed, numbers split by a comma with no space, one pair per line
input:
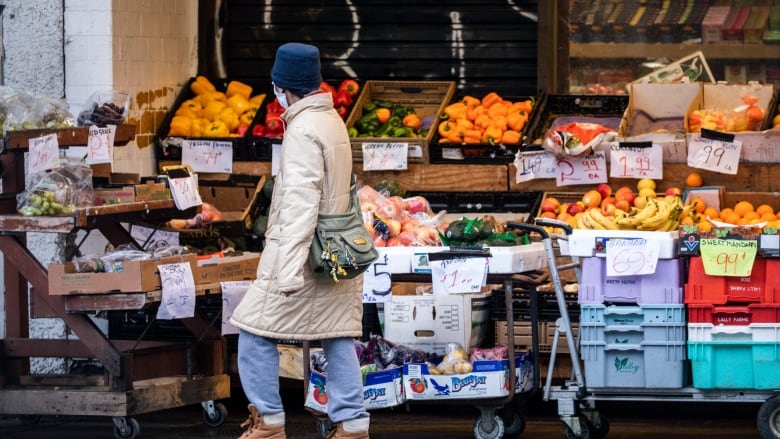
[354,203]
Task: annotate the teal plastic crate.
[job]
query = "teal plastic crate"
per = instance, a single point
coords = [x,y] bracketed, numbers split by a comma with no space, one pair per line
[735,364]
[613,315]
[644,365]
[633,334]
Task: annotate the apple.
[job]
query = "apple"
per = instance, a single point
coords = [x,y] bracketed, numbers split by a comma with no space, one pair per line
[605,190]
[379,241]
[406,239]
[426,236]
[416,204]
[608,209]
[549,214]
[550,205]
[393,227]
[575,208]
[625,193]
[673,191]
[623,205]
[393,242]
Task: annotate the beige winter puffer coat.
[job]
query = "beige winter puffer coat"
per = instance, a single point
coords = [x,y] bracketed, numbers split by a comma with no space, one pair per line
[314,177]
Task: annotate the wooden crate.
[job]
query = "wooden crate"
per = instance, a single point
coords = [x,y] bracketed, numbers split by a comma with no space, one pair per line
[428,99]
[524,338]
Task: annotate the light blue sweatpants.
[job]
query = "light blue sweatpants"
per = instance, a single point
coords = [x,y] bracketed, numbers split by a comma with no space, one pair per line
[258,369]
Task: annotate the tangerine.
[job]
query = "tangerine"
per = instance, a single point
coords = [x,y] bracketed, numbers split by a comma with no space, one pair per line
[732,218]
[743,207]
[704,226]
[711,212]
[726,212]
[768,217]
[764,208]
[699,205]
[694,179]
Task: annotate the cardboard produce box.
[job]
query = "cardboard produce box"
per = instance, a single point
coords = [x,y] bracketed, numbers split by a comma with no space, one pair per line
[136,276]
[233,268]
[430,322]
[151,191]
[381,389]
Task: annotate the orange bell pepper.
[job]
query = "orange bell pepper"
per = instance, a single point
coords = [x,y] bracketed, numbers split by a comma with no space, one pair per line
[492,135]
[510,137]
[490,99]
[516,120]
[471,101]
[382,115]
[464,123]
[497,109]
[238,88]
[444,129]
[482,121]
[180,126]
[472,136]
[455,110]
[412,120]
[202,85]
[474,112]
[500,122]
[525,106]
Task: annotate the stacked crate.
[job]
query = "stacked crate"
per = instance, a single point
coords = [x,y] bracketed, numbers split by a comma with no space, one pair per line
[632,328]
[734,327]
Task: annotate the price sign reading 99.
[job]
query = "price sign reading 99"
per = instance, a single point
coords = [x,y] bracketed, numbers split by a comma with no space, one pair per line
[585,170]
[728,257]
[714,155]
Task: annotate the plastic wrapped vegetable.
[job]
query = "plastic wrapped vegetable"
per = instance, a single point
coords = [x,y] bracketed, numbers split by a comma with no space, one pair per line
[60,190]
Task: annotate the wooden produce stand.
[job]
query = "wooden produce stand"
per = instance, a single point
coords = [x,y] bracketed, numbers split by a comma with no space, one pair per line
[138,376]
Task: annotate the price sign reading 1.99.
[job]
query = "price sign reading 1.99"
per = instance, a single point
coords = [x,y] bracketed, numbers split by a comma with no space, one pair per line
[582,170]
[626,161]
[728,257]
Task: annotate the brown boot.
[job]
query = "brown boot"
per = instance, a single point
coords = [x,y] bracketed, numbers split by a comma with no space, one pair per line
[339,433]
[257,429]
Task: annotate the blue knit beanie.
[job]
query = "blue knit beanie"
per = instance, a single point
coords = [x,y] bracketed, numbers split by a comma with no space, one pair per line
[297,68]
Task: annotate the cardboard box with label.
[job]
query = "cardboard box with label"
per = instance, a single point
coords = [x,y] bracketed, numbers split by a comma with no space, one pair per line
[488,379]
[224,269]
[429,322]
[381,389]
[151,191]
[106,196]
[136,276]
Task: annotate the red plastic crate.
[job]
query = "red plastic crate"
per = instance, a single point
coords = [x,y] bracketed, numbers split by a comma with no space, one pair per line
[734,315]
[720,290]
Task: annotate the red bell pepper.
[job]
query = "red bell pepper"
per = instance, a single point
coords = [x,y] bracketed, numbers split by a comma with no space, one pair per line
[258,130]
[273,123]
[242,129]
[324,86]
[351,86]
[342,98]
[342,111]
[274,107]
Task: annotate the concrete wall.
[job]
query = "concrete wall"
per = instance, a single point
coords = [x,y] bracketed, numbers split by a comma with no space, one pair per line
[73,48]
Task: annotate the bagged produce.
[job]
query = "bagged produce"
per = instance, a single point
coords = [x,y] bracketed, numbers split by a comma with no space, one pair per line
[57,191]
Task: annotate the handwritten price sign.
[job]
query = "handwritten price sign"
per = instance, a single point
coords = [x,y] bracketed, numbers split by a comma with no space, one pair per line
[185,192]
[208,155]
[377,282]
[100,144]
[585,170]
[535,164]
[178,291]
[714,155]
[232,293]
[459,275]
[43,152]
[639,161]
[728,257]
[385,156]
[632,256]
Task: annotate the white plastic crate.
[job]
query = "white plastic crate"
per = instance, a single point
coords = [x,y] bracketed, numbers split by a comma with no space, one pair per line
[517,258]
[700,332]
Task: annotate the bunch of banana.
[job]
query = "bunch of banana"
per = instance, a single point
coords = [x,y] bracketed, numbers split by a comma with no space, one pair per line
[632,220]
[666,218]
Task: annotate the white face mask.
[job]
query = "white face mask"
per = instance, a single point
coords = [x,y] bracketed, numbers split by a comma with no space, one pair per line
[281,97]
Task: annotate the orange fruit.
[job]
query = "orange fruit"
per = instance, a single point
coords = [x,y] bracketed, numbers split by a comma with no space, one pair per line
[687,221]
[732,218]
[764,208]
[752,216]
[592,198]
[698,204]
[704,226]
[743,207]
[711,212]
[768,217]
[694,179]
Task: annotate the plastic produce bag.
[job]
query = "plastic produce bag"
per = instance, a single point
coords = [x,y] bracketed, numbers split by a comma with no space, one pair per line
[58,191]
[20,110]
[105,108]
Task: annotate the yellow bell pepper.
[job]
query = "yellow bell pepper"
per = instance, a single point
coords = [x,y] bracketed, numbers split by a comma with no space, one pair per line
[510,137]
[216,129]
[202,85]
[189,108]
[247,116]
[238,88]
[238,103]
[212,110]
[180,126]
[230,118]
[257,100]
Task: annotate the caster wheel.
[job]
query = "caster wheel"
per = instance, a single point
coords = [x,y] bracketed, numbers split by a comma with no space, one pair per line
[219,416]
[585,432]
[324,427]
[126,428]
[514,422]
[601,431]
[768,419]
[497,432]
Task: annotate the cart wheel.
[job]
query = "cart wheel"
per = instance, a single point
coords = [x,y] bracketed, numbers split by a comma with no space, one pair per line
[324,427]
[220,414]
[126,428]
[585,432]
[768,419]
[496,433]
[514,422]
[601,431]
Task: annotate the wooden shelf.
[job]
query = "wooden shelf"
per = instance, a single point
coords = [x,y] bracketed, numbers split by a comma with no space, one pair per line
[75,136]
[676,50]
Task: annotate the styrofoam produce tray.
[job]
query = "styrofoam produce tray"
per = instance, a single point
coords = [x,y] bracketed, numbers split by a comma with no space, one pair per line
[585,242]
